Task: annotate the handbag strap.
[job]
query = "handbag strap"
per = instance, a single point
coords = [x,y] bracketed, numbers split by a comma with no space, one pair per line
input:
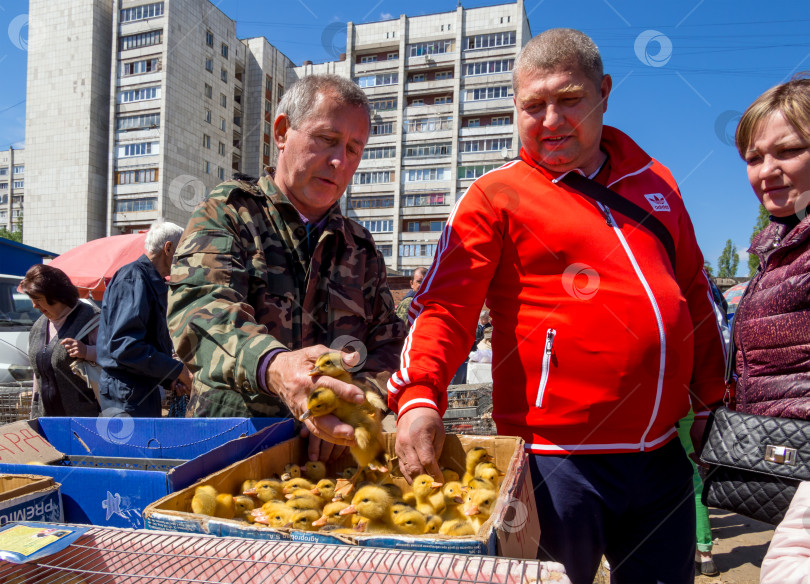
[615,201]
[87,328]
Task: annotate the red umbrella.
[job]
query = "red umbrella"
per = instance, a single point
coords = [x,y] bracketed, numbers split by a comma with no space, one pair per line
[92,265]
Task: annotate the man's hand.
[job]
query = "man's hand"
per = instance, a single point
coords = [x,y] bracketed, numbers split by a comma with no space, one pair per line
[288,375]
[74,348]
[182,385]
[420,439]
[696,434]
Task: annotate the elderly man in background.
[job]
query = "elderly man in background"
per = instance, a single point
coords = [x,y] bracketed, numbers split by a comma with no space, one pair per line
[133,346]
[270,275]
[405,303]
[603,325]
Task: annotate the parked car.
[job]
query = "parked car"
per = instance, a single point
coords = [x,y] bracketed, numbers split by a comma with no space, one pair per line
[17,314]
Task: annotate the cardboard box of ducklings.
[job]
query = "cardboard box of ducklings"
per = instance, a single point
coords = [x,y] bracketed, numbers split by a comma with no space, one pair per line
[494,515]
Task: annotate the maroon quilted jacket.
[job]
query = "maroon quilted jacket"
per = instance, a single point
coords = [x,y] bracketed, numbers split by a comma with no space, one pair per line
[772,326]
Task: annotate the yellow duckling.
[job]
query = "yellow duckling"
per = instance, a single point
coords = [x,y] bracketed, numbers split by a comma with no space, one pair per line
[301,499]
[457,527]
[453,499]
[478,506]
[291,471]
[325,490]
[429,499]
[297,483]
[348,472]
[481,484]
[373,504]
[399,507]
[204,501]
[409,522]
[266,490]
[273,514]
[365,418]
[489,472]
[243,505]
[303,520]
[224,507]
[450,475]
[331,515]
[315,470]
[474,457]
[247,485]
[433,524]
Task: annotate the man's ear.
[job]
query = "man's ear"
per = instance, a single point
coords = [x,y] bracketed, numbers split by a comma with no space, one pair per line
[169,249]
[604,89]
[280,127]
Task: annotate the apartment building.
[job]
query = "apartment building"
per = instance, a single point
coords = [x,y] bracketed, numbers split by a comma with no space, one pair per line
[442,115]
[134,139]
[12,188]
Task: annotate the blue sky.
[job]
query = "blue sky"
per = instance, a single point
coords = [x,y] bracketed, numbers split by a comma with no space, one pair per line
[682,74]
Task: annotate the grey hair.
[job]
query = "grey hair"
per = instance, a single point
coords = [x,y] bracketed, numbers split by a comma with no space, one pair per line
[300,98]
[159,233]
[558,47]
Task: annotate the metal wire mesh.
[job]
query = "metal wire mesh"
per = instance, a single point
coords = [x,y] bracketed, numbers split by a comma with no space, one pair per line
[108,555]
[15,402]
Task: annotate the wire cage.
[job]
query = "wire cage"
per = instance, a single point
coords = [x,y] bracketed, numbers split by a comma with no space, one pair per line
[483,426]
[15,401]
[468,401]
[111,556]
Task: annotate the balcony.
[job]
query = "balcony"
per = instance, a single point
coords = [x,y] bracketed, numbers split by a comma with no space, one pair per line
[413,111]
[488,106]
[433,60]
[375,67]
[481,131]
[422,87]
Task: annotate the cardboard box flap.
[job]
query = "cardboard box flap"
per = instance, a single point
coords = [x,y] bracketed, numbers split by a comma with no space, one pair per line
[22,443]
[12,486]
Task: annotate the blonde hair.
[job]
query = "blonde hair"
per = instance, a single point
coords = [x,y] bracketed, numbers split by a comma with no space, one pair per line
[791,99]
[558,47]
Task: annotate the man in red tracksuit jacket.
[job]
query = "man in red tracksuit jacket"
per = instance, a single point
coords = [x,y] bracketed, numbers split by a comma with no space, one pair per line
[599,342]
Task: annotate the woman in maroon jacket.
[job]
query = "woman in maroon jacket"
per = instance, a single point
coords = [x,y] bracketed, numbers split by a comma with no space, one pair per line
[772,323]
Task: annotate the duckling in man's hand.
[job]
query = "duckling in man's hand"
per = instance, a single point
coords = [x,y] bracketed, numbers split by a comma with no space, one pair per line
[365,418]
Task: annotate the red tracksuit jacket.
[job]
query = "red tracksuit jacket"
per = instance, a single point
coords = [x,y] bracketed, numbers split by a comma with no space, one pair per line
[598,344]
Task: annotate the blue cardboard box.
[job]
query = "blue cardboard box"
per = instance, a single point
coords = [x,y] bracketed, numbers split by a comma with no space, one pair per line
[112,468]
[29,498]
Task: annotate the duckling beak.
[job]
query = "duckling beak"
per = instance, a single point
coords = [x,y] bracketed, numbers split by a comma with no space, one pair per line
[474,510]
[288,524]
[305,415]
[249,492]
[435,485]
[348,510]
[314,371]
[458,499]
[316,491]
[320,522]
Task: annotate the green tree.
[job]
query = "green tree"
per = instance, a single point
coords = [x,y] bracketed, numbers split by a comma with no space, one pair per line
[707,265]
[12,235]
[762,222]
[728,260]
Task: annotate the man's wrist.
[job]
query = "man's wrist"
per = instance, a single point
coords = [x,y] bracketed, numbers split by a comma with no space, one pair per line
[264,368]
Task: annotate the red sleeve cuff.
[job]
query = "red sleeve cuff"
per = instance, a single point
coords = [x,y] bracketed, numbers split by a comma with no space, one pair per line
[416,396]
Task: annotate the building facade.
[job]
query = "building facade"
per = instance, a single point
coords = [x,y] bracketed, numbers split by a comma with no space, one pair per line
[12,189]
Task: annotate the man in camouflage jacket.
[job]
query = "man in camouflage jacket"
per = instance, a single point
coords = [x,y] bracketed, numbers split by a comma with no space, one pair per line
[269,274]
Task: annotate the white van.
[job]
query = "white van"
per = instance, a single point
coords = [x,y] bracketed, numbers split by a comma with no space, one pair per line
[17,314]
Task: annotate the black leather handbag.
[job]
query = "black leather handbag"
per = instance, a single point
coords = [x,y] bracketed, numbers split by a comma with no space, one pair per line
[756,463]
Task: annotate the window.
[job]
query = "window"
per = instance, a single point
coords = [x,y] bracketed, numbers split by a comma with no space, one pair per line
[209,38]
[144,39]
[4,187]
[473,123]
[382,128]
[143,94]
[377,153]
[140,67]
[385,250]
[393,56]
[431,48]
[475,171]
[417,250]
[139,122]
[19,184]
[209,91]
[489,67]
[424,174]
[486,145]
[220,173]
[223,100]
[209,64]
[206,141]
[222,125]
[266,150]
[487,41]
[268,83]
[371,202]
[443,100]
[442,75]
[417,101]
[501,121]
[279,91]
[425,200]
[137,149]
[3,171]
[136,205]
[135,176]
[368,59]
[224,50]
[427,150]
[206,167]
[418,77]
[379,225]
[429,124]
[208,115]
[424,226]
[483,93]
[377,80]
[18,169]
[221,149]
[370,178]
[141,12]
[384,104]
[223,74]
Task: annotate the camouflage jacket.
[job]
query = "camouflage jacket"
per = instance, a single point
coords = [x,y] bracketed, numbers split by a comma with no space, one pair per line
[403,307]
[242,286]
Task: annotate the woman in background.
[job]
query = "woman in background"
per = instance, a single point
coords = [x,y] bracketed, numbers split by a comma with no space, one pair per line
[53,346]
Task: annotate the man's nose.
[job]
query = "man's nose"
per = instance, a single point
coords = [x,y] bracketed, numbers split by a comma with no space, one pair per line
[553,118]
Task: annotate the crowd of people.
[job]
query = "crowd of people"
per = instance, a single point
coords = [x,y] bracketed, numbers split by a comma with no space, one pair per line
[603,347]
